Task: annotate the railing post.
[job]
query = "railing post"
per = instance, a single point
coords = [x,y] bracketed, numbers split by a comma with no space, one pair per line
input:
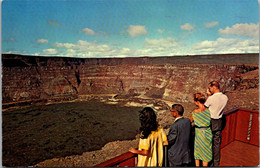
[249,127]
[165,157]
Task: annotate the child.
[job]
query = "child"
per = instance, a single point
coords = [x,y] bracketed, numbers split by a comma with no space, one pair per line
[179,138]
[153,137]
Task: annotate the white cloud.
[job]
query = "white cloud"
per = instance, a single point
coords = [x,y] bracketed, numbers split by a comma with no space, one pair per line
[160,31]
[159,47]
[63,45]
[42,41]
[71,52]
[136,30]
[162,43]
[187,27]
[223,45]
[50,51]
[87,49]
[211,24]
[89,31]
[16,52]
[242,29]
[153,47]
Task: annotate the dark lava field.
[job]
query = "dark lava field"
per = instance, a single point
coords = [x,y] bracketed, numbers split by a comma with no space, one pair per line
[34,134]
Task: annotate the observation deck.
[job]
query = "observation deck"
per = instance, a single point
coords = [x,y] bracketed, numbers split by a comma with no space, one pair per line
[239,146]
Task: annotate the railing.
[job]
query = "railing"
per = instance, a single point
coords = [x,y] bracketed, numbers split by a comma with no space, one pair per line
[241,125]
[127,159]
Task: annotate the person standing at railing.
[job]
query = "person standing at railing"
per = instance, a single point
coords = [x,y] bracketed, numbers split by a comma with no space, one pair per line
[203,135]
[152,139]
[179,138]
[216,102]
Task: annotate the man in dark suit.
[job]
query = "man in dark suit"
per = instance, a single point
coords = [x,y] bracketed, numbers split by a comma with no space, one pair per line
[179,138]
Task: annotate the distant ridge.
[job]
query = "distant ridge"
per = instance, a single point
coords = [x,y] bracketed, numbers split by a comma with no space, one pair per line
[23,60]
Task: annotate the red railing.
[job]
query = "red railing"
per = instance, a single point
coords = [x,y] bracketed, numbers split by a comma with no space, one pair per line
[241,125]
[127,159]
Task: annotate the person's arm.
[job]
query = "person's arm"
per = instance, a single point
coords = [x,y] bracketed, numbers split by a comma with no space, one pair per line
[172,136]
[144,146]
[191,119]
[140,152]
[164,138]
[208,93]
[208,102]
[165,143]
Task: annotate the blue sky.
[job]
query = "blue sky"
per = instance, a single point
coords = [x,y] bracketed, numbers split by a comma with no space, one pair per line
[129,28]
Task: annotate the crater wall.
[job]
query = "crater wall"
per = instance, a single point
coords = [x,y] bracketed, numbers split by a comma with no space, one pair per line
[35,78]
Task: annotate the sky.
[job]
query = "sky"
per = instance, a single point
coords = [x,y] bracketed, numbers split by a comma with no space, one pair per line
[129,28]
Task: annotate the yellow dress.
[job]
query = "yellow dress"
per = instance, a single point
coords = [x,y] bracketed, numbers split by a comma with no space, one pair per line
[154,144]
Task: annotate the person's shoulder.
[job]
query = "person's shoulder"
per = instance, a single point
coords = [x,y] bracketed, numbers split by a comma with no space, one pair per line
[160,128]
[196,111]
[173,126]
[212,96]
[185,120]
[215,96]
[176,123]
[223,95]
[209,98]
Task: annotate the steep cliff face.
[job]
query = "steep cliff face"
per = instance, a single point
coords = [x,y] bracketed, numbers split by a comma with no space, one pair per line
[27,78]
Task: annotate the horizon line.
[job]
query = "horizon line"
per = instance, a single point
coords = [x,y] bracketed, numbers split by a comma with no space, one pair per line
[193,55]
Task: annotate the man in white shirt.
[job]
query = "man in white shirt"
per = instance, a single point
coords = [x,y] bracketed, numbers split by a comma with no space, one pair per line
[216,103]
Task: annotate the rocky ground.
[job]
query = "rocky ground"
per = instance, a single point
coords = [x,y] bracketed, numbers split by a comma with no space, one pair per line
[89,159]
[244,95]
[30,81]
[247,98]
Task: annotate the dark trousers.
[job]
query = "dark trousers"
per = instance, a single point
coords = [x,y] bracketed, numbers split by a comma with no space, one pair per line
[216,125]
[182,165]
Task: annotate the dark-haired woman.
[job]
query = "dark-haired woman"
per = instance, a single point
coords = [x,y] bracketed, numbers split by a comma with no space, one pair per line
[152,139]
[203,134]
